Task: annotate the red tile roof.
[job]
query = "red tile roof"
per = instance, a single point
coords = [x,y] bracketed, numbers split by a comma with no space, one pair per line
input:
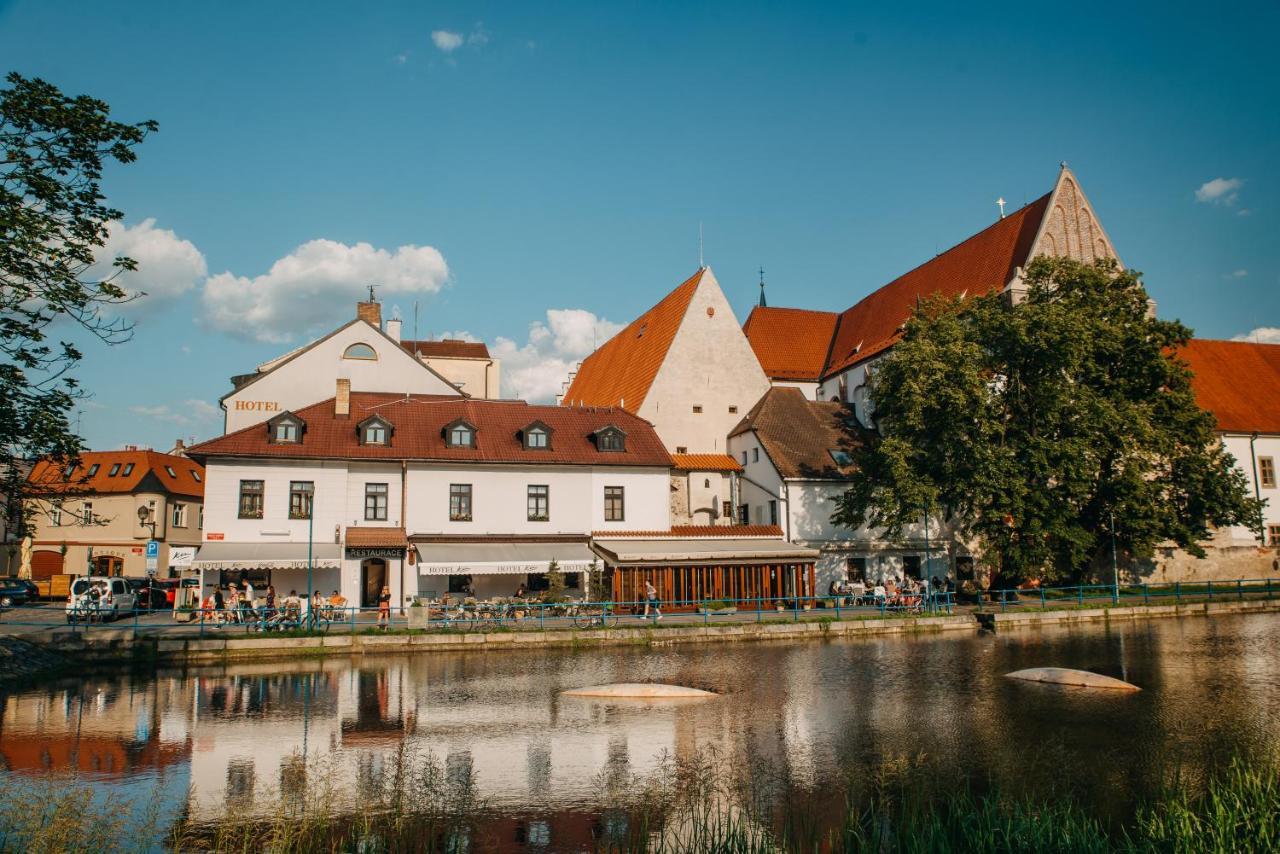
[685,532]
[418,425]
[705,462]
[1238,381]
[980,265]
[799,434]
[621,371]
[148,471]
[449,348]
[366,538]
[791,343]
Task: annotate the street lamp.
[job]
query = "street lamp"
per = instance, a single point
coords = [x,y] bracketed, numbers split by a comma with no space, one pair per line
[1115,567]
[145,520]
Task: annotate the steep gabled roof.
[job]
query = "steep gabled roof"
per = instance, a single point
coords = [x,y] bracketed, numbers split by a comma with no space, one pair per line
[1238,381]
[420,423]
[791,343]
[799,434]
[449,348]
[149,473]
[984,263]
[621,371]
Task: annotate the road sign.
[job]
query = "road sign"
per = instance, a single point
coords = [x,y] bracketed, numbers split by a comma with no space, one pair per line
[153,549]
[151,567]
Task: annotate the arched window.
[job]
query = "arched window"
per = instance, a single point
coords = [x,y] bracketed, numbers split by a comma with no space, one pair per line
[360,351]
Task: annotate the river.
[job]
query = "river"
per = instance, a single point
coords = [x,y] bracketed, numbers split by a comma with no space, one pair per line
[816,718]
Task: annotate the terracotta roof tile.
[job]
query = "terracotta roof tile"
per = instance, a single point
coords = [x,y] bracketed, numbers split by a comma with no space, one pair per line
[621,371]
[1238,381]
[983,263]
[418,424]
[705,462]
[373,537]
[449,348]
[799,434]
[187,478]
[791,343]
[685,532]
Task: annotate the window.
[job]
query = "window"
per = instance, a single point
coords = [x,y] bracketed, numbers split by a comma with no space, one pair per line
[1273,535]
[250,499]
[286,431]
[375,502]
[614,504]
[86,513]
[70,470]
[539,500]
[170,471]
[55,516]
[733,410]
[178,515]
[855,569]
[840,457]
[727,510]
[755,455]
[93,469]
[301,493]
[374,430]
[459,502]
[460,434]
[743,512]
[681,449]
[1267,472]
[375,434]
[195,474]
[697,409]
[744,458]
[706,483]
[114,470]
[128,469]
[360,351]
[773,511]
[537,436]
[611,439]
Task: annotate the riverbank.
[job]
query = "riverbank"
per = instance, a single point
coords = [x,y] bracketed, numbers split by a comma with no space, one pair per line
[123,646]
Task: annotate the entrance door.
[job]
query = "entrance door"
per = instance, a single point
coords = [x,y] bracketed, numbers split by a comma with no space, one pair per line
[108,565]
[373,577]
[45,564]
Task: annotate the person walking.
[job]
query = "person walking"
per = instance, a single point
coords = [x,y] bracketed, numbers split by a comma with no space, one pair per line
[651,599]
[384,608]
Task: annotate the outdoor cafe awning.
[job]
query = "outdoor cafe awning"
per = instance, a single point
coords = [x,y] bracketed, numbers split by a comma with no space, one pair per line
[666,552]
[509,558]
[267,556]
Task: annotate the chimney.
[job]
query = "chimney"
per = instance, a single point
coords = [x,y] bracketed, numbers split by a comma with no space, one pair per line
[393,329]
[342,400]
[370,312]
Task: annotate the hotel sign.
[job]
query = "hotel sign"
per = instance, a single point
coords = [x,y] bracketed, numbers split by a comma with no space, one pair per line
[256,406]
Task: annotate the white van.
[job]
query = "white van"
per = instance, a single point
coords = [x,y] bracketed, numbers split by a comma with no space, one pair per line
[98,597]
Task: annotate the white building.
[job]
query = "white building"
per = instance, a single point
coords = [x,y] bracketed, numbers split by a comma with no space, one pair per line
[424,494]
[466,364]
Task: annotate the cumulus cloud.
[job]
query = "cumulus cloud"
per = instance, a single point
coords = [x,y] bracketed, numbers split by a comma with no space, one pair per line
[536,369]
[1239,274]
[168,266]
[1220,191]
[447,41]
[189,413]
[308,288]
[1261,335]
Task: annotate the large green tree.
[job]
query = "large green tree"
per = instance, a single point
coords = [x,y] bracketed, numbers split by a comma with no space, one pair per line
[53,222]
[1035,431]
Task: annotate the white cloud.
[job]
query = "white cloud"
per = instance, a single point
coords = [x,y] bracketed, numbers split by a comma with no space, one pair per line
[1220,191]
[316,284]
[168,266]
[401,58]
[189,413]
[1243,212]
[1261,335]
[1239,274]
[479,36]
[535,370]
[446,41]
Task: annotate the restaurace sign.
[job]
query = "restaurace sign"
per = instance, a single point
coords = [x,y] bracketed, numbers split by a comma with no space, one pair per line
[369,552]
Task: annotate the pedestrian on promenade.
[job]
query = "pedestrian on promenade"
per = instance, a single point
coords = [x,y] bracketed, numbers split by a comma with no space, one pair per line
[219,604]
[651,599]
[384,608]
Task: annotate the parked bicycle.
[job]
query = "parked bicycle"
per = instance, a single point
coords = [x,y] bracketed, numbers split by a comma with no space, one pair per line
[594,616]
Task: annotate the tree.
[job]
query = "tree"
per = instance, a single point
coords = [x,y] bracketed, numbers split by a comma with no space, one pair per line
[1036,431]
[52,222]
[556,585]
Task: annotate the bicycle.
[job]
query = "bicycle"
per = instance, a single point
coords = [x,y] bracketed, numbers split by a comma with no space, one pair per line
[488,617]
[458,619]
[594,616]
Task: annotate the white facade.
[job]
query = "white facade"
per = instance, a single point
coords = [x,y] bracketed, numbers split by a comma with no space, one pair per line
[309,375]
[1252,455]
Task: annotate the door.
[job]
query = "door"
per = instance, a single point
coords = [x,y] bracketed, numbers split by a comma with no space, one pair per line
[45,564]
[373,577]
[108,565]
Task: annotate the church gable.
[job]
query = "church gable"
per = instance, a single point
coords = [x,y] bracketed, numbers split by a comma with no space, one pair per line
[1071,228]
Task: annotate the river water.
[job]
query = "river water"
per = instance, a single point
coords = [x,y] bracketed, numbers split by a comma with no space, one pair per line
[817,717]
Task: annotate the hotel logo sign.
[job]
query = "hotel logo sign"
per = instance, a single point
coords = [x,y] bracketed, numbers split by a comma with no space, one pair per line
[257,406]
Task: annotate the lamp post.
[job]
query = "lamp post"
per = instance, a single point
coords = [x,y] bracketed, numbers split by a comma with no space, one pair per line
[1115,567]
[927,553]
[311,519]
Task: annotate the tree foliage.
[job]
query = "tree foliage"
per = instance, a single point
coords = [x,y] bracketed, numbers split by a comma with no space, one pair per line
[1027,429]
[53,219]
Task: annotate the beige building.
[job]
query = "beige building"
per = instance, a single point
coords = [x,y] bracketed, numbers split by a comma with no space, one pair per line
[99,515]
[466,364]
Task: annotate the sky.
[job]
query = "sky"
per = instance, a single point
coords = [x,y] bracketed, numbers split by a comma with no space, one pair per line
[535,175]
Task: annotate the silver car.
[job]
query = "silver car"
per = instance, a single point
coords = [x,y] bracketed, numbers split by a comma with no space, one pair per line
[100,598]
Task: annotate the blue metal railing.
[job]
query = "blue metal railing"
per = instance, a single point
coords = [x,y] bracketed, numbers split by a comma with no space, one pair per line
[1076,596]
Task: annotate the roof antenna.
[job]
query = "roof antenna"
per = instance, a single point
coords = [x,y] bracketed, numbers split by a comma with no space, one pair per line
[763,302]
[1000,202]
[371,297]
[415,327]
[700,264]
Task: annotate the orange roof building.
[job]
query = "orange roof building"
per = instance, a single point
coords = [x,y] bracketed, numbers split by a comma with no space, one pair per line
[1238,381]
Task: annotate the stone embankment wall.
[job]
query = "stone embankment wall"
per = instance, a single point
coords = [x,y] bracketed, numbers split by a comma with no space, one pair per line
[21,660]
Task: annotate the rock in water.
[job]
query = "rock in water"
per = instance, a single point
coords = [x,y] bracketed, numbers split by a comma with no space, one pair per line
[1065,676]
[639,691]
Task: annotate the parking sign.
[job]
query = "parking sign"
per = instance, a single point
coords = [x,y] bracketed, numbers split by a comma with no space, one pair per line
[153,548]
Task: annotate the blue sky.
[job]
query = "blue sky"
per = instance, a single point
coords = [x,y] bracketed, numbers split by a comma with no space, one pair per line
[546,166]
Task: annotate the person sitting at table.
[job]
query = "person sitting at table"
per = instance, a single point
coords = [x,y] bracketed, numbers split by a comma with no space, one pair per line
[520,592]
[317,604]
[292,606]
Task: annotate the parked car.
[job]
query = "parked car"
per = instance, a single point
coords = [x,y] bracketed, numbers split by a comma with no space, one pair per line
[13,592]
[170,588]
[151,594]
[100,598]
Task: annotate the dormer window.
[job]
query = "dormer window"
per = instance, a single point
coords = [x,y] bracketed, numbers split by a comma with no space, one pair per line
[170,471]
[115,470]
[93,469]
[460,434]
[374,430]
[611,439]
[536,437]
[360,351]
[128,469]
[285,429]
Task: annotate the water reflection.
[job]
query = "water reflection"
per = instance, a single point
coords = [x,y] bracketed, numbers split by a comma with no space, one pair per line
[815,719]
